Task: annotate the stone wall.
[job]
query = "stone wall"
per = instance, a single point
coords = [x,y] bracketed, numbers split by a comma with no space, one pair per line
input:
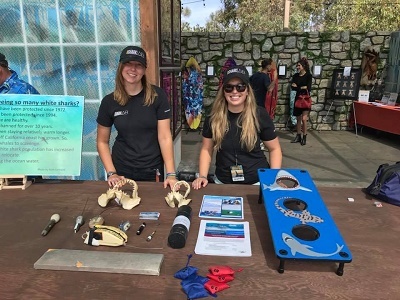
[329,50]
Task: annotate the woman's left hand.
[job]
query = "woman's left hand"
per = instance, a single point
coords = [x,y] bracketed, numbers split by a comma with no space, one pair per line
[114,179]
[199,183]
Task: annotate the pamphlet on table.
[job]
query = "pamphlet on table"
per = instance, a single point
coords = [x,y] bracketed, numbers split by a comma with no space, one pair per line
[223,238]
[221,207]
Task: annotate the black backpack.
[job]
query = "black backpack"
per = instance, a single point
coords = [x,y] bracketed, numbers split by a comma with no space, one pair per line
[386,184]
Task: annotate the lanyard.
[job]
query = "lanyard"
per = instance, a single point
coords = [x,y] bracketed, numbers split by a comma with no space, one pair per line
[232,138]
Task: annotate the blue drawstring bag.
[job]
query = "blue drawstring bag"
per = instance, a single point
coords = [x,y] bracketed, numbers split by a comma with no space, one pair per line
[187,271]
[192,284]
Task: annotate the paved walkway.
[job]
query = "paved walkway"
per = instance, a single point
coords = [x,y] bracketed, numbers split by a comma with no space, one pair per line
[333,158]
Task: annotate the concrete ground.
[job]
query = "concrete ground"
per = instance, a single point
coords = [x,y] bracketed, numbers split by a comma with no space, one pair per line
[333,158]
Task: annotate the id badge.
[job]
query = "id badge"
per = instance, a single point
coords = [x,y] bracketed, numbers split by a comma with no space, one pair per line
[237,173]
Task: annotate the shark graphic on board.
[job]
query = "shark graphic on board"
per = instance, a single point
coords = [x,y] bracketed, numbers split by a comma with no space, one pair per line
[282,174]
[296,247]
[304,216]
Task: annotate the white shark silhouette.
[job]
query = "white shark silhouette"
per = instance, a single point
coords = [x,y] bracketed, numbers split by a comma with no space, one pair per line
[296,247]
[281,175]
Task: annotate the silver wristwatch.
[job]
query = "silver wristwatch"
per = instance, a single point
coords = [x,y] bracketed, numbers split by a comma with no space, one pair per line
[110,173]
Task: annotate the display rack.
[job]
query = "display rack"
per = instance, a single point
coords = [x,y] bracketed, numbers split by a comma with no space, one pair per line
[14,182]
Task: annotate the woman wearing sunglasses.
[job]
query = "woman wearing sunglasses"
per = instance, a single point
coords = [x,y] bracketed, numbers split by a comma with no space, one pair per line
[235,128]
[301,83]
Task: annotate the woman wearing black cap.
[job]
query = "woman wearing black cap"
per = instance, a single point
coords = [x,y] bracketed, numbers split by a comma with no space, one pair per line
[140,113]
[235,128]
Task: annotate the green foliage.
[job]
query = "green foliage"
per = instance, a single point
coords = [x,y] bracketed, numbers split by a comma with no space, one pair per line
[206,89]
[325,36]
[309,15]
[363,15]
[185,26]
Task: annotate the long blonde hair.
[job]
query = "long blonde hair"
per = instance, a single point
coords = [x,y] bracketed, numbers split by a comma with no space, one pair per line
[122,97]
[247,120]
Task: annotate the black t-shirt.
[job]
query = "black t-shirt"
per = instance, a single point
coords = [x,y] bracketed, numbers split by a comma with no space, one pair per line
[305,80]
[260,82]
[136,145]
[250,161]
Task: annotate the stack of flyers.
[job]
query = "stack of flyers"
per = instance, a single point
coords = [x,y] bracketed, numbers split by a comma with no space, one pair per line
[149,215]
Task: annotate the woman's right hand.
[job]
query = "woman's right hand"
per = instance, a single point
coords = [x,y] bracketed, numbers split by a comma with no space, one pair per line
[199,182]
[114,179]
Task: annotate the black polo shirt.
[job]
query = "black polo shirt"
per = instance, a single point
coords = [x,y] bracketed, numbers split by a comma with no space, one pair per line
[230,148]
[136,145]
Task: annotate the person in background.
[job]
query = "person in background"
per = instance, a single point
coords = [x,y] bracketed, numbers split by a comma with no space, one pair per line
[261,82]
[301,84]
[271,98]
[140,113]
[10,83]
[235,128]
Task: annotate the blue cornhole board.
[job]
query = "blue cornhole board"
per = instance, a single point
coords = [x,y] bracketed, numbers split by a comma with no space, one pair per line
[300,223]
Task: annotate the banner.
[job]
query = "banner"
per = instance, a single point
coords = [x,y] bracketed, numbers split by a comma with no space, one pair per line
[41,134]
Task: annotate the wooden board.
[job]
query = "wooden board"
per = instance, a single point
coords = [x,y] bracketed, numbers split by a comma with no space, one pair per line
[96,261]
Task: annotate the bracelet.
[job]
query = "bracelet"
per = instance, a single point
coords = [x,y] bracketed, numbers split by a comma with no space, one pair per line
[205,177]
[172,174]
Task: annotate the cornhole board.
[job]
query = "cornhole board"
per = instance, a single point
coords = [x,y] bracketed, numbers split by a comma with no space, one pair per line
[192,89]
[100,261]
[300,223]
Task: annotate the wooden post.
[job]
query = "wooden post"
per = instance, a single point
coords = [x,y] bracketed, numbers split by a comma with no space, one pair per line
[286,15]
[149,38]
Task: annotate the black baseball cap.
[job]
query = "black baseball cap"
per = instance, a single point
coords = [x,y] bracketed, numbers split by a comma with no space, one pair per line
[236,72]
[133,53]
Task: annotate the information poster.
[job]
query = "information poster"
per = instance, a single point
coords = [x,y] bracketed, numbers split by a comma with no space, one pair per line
[346,83]
[41,134]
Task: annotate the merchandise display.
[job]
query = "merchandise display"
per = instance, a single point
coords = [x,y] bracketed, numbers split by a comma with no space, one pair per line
[133,261]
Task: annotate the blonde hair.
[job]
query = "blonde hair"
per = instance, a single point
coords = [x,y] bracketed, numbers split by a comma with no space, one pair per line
[122,97]
[247,120]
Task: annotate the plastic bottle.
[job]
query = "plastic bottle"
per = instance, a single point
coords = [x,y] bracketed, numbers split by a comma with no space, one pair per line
[180,227]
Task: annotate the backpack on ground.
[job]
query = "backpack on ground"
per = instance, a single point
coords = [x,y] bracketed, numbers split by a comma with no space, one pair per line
[386,184]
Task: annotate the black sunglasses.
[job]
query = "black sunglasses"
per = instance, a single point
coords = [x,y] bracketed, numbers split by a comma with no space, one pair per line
[241,87]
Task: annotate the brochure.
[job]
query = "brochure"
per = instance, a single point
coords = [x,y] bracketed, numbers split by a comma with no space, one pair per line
[223,238]
[221,207]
